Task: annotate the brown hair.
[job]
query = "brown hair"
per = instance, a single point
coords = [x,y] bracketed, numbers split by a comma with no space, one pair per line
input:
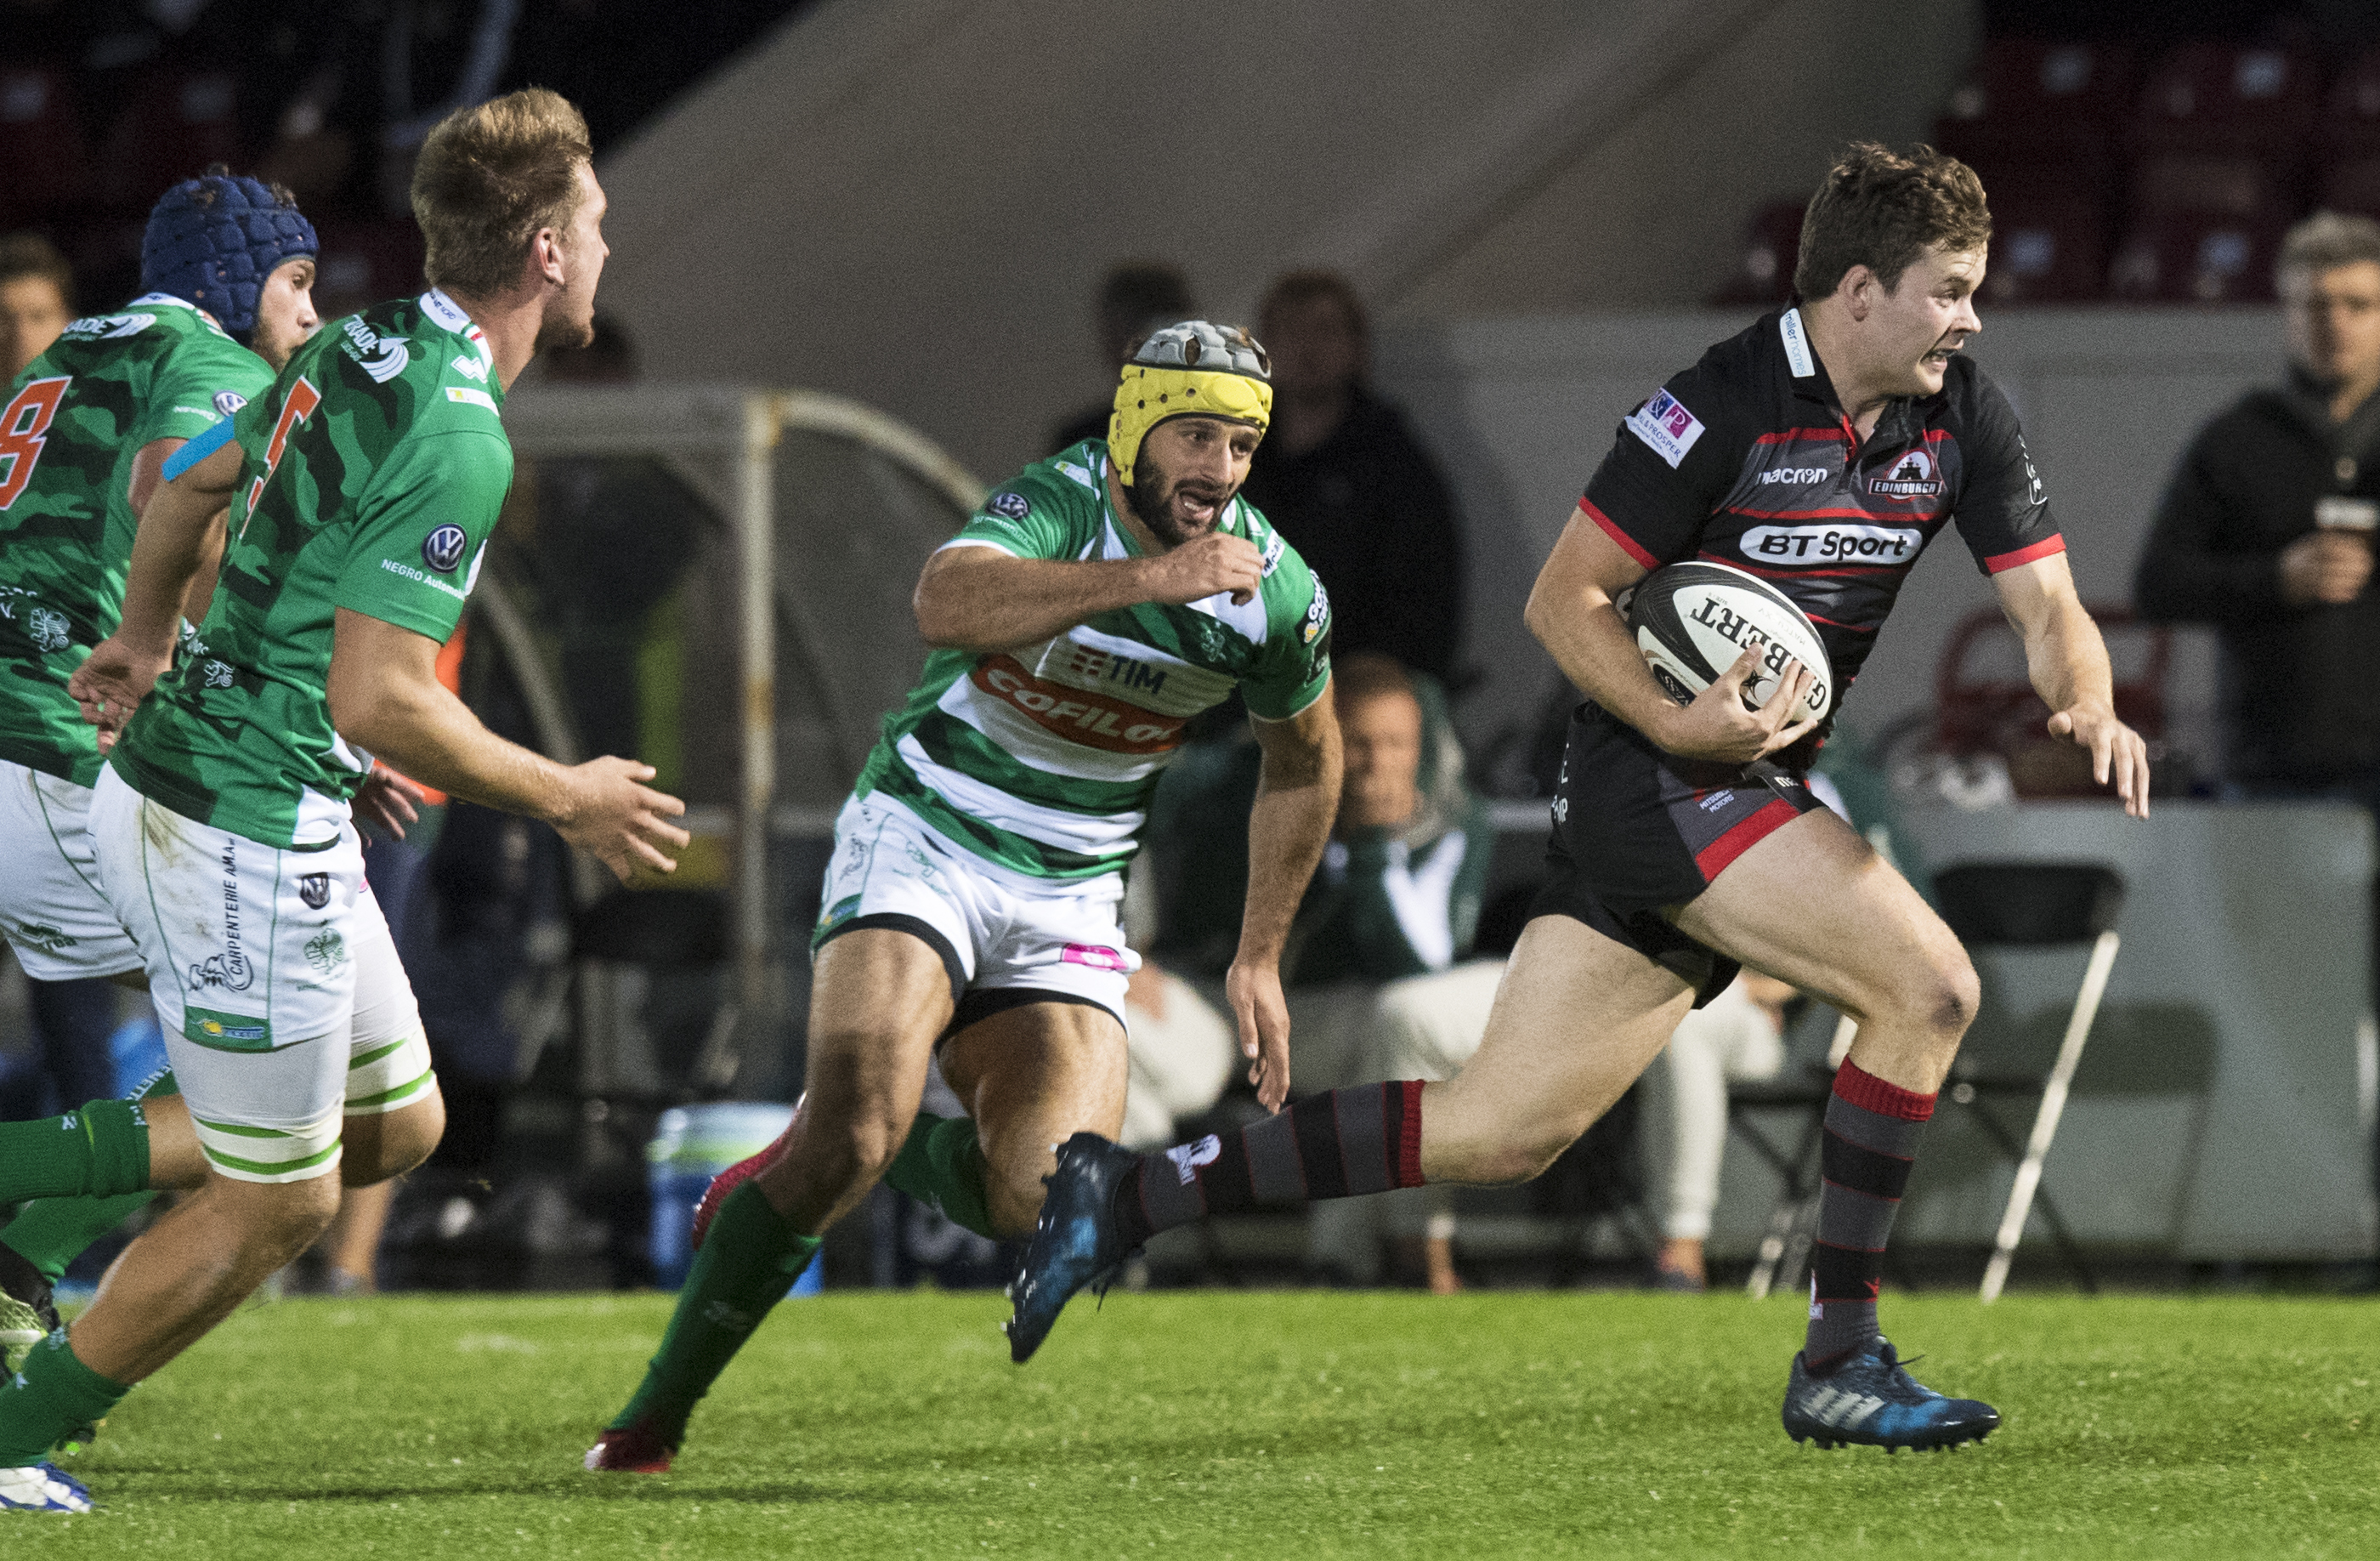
[1303,287]
[29,254]
[1882,210]
[489,178]
[1369,675]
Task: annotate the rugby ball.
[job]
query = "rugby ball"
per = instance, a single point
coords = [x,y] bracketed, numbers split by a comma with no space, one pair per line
[1692,620]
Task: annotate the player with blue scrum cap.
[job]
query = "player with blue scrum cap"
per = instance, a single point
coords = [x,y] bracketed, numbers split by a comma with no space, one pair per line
[227,268]
[1819,450]
[363,483]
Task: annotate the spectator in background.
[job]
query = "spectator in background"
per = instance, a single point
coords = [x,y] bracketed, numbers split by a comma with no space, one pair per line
[36,300]
[1740,1034]
[1344,478]
[1136,297]
[1380,982]
[2266,531]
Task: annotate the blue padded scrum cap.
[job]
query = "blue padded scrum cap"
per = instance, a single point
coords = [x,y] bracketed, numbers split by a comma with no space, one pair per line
[213,240]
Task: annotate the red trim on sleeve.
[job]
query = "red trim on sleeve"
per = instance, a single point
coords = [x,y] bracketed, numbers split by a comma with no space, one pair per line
[1612,529]
[1409,1135]
[2022,555]
[1864,1090]
[1721,854]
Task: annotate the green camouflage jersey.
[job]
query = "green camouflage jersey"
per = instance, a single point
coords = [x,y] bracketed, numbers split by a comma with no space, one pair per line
[1043,758]
[74,420]
[375,468]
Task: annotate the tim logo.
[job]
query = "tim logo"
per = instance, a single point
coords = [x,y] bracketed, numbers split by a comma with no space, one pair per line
[1909,476]
[1097,956]
[1098,666]
[315,890]
[1188,1157]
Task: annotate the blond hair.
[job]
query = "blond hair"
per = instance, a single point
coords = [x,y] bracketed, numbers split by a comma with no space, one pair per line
[489,179]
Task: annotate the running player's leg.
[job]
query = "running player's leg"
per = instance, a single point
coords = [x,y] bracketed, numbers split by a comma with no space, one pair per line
[879,999]
[1578,1016]
[1815,906]
[393,1113]
[62,930]
[1031,1078]
[393,1118]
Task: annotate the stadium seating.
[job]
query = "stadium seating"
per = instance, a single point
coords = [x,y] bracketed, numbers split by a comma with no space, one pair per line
[40,144]
[365,261]
[2048,246]
[2031,905]
[177,123]
[2228,97]
[1771,242]
[2197,257]
[2038,101]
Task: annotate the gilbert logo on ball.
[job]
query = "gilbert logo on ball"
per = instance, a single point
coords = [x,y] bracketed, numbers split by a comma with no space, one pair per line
[1692,620]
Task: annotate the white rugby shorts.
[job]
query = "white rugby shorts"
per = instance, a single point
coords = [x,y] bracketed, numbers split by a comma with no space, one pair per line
[999,931]
[51,908]
[276,980]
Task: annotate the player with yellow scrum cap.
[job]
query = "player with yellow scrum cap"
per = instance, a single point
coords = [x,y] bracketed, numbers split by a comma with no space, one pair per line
[1098,601]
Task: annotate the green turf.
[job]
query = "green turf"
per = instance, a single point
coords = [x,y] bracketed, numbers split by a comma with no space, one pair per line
[1218,1424]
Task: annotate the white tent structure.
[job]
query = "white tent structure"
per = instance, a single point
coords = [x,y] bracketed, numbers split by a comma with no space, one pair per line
[909,203]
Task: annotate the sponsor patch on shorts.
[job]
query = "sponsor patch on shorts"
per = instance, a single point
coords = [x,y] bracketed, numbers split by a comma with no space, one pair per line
[227,1032]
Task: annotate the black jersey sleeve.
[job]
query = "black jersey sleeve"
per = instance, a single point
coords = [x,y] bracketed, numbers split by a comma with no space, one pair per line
[1669,466]
[2003,514]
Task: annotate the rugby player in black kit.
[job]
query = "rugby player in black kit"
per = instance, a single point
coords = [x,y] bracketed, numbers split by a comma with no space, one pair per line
[1821,449]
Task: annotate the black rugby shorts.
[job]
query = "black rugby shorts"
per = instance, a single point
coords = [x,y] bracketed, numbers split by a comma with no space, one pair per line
[1637,830]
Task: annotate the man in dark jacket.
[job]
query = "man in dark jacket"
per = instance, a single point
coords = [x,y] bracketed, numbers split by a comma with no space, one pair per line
[2267,532]
[1346,481]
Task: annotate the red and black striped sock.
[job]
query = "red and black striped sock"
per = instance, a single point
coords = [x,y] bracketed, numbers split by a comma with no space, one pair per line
[1871,1132]
[1343,1144]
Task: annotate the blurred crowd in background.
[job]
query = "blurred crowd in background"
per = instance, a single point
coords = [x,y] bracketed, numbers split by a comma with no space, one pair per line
[2118,167]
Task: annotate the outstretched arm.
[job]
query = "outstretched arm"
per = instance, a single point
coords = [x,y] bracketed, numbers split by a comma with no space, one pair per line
[174,550]
[1297,797]
[2067,663]
[979,598]
[385,697]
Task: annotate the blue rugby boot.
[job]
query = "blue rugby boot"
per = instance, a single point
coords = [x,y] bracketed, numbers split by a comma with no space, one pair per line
[42,1487]
[1869,1399]
[1074,1242]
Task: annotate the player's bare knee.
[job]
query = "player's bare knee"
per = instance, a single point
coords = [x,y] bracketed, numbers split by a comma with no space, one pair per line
[284,1218]
[393,1142]
[1950,996]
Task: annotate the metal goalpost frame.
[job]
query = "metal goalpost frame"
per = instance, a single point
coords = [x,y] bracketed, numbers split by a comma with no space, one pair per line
[718,429]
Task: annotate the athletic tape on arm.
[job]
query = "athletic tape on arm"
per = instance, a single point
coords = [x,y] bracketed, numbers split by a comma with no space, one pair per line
[193,451]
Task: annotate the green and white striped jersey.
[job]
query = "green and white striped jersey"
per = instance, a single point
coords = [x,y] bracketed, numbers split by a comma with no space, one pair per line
[1043,758]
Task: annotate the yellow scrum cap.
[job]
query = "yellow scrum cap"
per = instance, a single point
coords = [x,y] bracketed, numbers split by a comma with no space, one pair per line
[1190,370]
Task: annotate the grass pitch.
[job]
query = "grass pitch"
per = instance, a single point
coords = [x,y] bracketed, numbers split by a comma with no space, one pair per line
[1283,1426]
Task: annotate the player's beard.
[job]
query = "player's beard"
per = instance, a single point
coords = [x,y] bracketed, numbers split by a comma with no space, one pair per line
[560,331]
[1151,496]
